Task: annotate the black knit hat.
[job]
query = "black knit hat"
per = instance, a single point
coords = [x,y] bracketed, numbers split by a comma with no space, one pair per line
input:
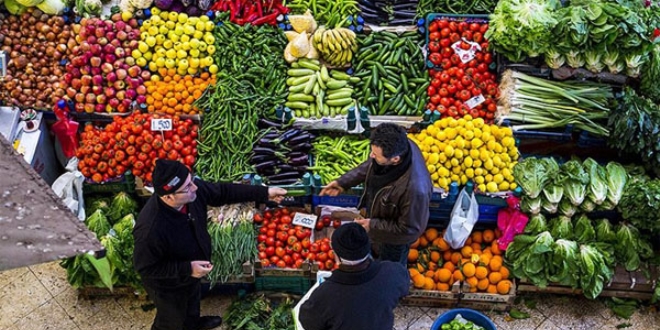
[351,242]
[168,176]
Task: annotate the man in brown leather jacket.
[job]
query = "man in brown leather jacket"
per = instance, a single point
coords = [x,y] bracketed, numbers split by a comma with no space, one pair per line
[397,191]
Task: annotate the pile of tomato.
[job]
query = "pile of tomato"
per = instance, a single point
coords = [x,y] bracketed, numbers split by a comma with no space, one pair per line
[455,81]
[284,245]
[128,144]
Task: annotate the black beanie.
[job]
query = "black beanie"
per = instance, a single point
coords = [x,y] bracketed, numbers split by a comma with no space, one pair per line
[351,242]
[168,176]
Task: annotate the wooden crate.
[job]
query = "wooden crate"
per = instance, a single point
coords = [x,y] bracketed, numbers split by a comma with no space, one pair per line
[260,271]
[433,298]
[624,284]
[486,301]
[246,277]
[90,292]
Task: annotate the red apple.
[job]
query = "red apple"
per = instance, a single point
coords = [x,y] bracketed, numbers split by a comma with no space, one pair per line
[109,92]
[86,80]
[119,85]
[101,99]
[141,90]
[113,102]
[111,77]
[121,74]
[134,71]
[90,98]
[122,35]
[97,90]
[79,98]
[120,95]
[107,68]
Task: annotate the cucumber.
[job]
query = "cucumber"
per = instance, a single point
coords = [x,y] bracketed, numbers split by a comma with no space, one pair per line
[294,81]
[300,97]
[342,95]
[296,105]
[339,75]
[340,90]
[299,72]
[339,102]
[336,84]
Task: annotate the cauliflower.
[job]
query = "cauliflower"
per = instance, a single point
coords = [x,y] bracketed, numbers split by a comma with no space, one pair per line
[141,4]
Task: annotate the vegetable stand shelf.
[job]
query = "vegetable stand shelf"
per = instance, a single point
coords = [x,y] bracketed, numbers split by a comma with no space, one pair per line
[125,183]
[295,281]
[433,298]
[486,301]
[624,284]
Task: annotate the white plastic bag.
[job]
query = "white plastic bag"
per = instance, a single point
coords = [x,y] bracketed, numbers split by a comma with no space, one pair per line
[463,217]
[69,187]
[320,278]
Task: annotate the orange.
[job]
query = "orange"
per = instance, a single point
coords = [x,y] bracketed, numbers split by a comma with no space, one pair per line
[442,287]
[468,241]
[481,272]
[476,248]
[429,273]
[429,284]
[456,258]
[435,256]
[423,242]
[442,244]
[413,255]
[492,289]
[503,287]
[469,270]
[494,277]
[443,275]
[431,234]
[449,265]
[488,236]
[484,259]
[466,251]
[421,268]
[477,237]
[413,272]
[418,281]
[495,248]
[433,265]
[472,282]
[495,263]
[446,256]
[505,272]
[458,276]
[415,244]
[483,284]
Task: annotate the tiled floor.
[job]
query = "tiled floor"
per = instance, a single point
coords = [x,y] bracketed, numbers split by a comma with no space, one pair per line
[39,297]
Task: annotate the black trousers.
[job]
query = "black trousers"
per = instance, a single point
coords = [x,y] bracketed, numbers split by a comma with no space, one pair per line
[176,309]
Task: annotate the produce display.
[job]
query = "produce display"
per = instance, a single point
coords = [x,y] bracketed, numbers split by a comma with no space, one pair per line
[128,144]
[392,72]
[335,156]
[336,46]
[434,265]
[175,41]
[463,82]
[532,103]
[391,13]
[254,12]
[316,91]
[569,188]
[175,94]
[34,74]
[331,13]
[467,149]
[425,7]
[282,157]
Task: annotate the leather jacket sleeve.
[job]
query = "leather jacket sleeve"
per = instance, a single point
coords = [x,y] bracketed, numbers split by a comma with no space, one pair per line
[412,208]
[355,176]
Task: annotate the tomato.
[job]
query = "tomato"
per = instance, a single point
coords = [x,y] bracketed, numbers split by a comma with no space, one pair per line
[488,58]
[455,59]
[483,28]
[279,251]
[322,256]
[464,95]
[172,155]
[326,221]
[178,145]
[329,264]
[280,264]
[433,26]
[453,26]
[477,37]
[167,145]
[288,250]
[445,42]
[270,251]
[319,225]
[336,223]
[283,227]
[454,37]
[272,225]
[285,219]
[263,230]
[306,243]
[435,58]
[462,26]
[279,244]
[492,107]
[257,218]
[182,130]
[314,247]
[262,238]
[281,236]
[434,46]
[325,247]
[265,262]
[451,89]
[270,241]
[431,90]
[297,247]
[189,160]
[435,35]
[467,35]
[262,255]
[311,256]
[288,261]
[298,264]
[291,240]
[444,33]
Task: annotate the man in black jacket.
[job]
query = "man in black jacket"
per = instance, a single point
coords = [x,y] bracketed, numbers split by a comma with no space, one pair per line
[361,294]
[397,192]
[173,246]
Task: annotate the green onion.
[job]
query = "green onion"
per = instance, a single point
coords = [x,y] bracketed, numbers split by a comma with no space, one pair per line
[534,103]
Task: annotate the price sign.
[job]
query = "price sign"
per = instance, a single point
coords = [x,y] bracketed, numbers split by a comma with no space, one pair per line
[305,220]
[466,50]
[475,101]
[161,124]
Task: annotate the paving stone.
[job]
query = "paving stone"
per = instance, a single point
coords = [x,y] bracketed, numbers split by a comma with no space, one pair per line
[407,316]
[547,325]
[52,276]
[503,322]
[133,307]
[9,276]
[47,316]
[80,309]
[20,297]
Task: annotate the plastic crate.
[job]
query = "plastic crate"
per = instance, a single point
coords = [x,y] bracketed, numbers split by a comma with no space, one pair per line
[125,183]
[351,198]
[289,284]
[586,140]
[298,195]
[475,18]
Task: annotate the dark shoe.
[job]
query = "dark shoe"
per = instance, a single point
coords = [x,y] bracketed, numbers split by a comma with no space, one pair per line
[209,322]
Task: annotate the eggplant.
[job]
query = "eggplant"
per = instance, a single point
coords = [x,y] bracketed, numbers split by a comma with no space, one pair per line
[289,134]
[271,135]
[263,151]
[405,14]
[296,154]
[265,123]
[256,159]
[283,182]
[401,21]
[285,168]
[264,165]
[302,138]
[302,147]
[285,176]
[266,172]
[266,143]
[303,160]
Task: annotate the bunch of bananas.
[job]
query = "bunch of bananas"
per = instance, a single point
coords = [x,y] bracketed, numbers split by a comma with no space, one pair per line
[335,45]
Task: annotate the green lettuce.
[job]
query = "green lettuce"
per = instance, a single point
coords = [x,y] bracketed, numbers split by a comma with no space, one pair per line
[562,227]
[564,263]
[605,231]
[548,207]
[595,270]
[531,174]
[530,205]
[616,182]
[597,190]
[122,205]
[536,225]
[584,230]
[98,223]
[566,208]
[577,179]
[630,248]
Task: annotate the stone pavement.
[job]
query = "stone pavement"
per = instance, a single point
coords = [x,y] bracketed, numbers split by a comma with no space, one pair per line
[38,297]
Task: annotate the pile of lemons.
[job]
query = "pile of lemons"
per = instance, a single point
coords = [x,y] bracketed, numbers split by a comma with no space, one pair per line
[176,41]
[467,149]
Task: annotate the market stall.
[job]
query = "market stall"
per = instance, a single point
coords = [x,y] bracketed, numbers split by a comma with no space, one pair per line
[543,114]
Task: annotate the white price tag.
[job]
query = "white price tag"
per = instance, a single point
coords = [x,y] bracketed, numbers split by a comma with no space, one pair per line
[161,124]
[305,220]
[475,101]
[466,55]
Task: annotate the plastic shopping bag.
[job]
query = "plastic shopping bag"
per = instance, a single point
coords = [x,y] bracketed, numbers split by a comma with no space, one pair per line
[463,217]
[510,221]
[69,187]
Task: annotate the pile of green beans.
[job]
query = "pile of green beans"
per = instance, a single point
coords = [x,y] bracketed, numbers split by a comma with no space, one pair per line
[331,13]
[425,7]
[334,156]
[392,72]
[251,83]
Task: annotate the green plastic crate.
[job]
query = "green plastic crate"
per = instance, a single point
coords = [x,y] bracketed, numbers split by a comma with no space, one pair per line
[126,184]
[289,284]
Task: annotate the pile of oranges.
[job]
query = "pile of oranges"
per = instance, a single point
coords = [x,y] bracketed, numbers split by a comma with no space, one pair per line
[434,265]
[171,93]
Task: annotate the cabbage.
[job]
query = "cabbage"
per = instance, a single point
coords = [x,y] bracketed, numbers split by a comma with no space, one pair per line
[52,7]
[605,232]
[537,224]
[577,179]
[14,7]
[29,3]
[530,205]
[163,4]
[597,192]
[616,181]
[531,174]
[584,231]
[562,227]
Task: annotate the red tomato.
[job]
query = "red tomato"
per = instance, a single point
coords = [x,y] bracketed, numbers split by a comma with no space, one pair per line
[325,247]
[262,255]
[435,35]
[433,26]
[279,251]
[336,223]
[327,220]
[270,241]
[445,42]
[296,247]
[283,227]
[322,256]
[298,264]
[434,46]
[306,243]
[280,264]
[291,240]
[285,219]
[270,251]
[288,260]
[435,58]
[329,264]
[265,262]
[319,225]
[314,247]
[282,236]
[262,238]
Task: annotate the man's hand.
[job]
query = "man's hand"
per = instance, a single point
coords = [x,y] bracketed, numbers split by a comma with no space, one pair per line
[200,268]
[276,194]
[332,189]
[364,223]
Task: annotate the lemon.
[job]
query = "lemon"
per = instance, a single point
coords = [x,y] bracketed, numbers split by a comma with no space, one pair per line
[209,26]
[163,30]
[188,29]
[494,170]
[210,49]
[182,17]
[453,123]
[181,54]
[468,161]
[430,168]
[198,34]
[194,62]
[498,178]
[425,155]
[455,162]
[170,63]
[482,187]
[468,135]
[442,157]
[477,163]
[160,62]
[172,16]
[513,186]
[484,154]
[476,143]
[503,186]
[455,178]
[478,171]
[171,53]
[458,154]
[449,151]
[434,176]
[461,122]
[183,64]
[170,25]
[464,179]
[469,173]
[486,135]
[153,31]
[488,164]
[441,136]
[433,159]
[155,11]
[479,179]
[477,133]
[443,172]
[491,187]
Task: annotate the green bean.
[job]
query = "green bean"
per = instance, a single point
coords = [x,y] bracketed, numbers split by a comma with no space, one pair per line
[336,156]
